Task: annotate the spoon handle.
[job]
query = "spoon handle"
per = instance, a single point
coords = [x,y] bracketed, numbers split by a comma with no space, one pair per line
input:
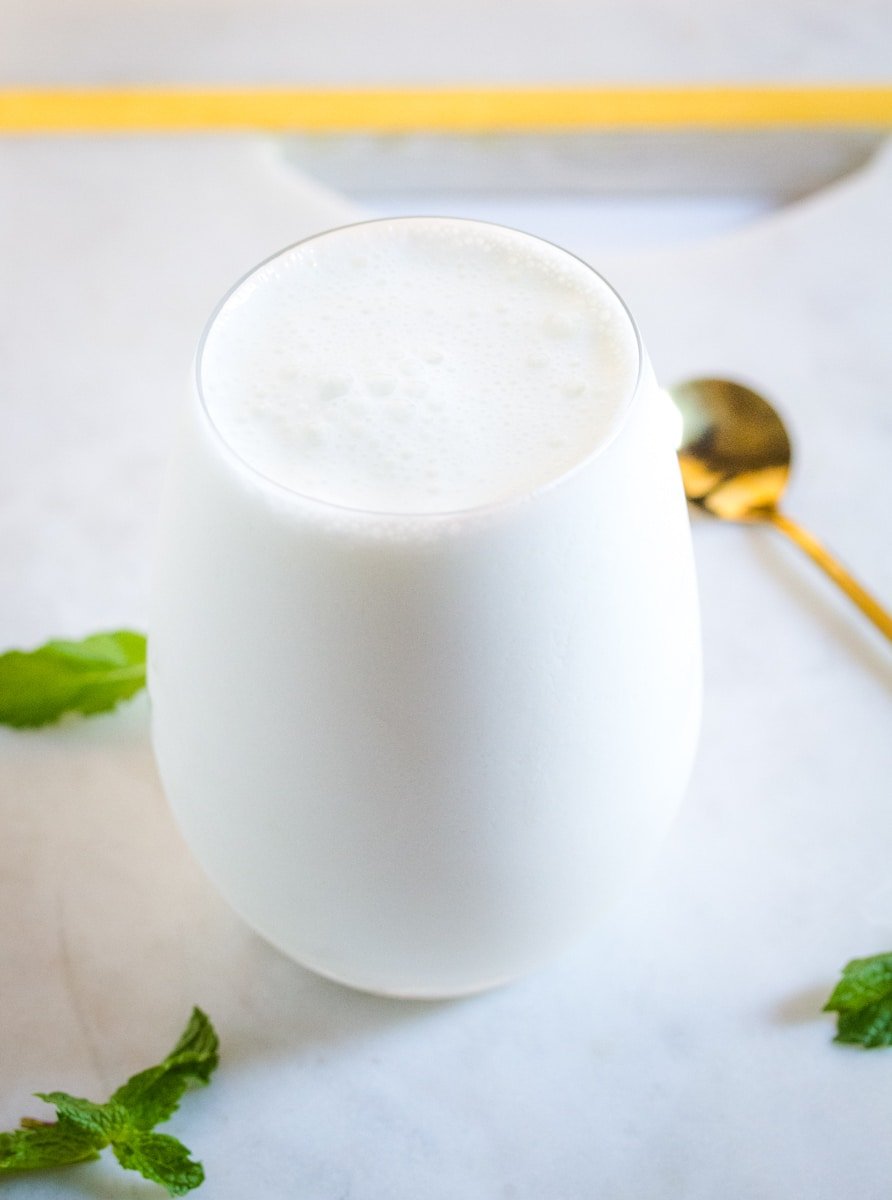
[818,553]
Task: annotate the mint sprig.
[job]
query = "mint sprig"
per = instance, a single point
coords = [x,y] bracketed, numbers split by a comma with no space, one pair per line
[126,1121]
[89,676]
[862,1001]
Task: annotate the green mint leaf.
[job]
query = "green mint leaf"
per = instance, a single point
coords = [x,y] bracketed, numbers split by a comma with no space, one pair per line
[197,1053]
[162,1159]
[153,1095]
[862,1001]
[98,1120]
[125,1121]
[90,676]
[38,1146]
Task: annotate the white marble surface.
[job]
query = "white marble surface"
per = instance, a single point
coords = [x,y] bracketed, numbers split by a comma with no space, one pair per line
[444,41]
[680,1052]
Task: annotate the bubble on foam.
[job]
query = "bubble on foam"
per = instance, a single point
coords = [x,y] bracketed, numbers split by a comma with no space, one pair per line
[573,387]
[311,435]
[333,386]
[560,324]
[397,411]
[381,385]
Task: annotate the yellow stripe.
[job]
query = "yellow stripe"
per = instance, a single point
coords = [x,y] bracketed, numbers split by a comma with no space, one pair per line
[438,110]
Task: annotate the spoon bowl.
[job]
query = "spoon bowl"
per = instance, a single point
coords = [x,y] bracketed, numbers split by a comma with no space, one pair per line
[735,461]
[735,452]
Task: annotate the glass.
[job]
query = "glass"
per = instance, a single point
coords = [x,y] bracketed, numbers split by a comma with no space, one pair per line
[422,753]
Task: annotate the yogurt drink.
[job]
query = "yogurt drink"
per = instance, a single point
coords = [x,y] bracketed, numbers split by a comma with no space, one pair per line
[418,366]
[424,657]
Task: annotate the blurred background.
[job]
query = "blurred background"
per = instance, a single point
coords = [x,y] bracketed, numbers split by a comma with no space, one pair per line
[614,188]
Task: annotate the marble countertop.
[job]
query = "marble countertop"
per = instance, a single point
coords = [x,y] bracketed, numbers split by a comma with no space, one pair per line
[459,41]
[681,1051]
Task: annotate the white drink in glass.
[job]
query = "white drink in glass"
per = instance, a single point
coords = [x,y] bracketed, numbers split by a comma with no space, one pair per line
[424,656]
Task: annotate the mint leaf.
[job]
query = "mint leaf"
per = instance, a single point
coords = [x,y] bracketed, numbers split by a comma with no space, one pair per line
[162,1159]
[37,1145]
[152,1096]
[97,1120]
[862,1001]
[126,1120]
[90,676]
[197,1051]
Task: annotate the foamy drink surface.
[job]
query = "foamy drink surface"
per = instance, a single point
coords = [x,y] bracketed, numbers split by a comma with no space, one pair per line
[418,365]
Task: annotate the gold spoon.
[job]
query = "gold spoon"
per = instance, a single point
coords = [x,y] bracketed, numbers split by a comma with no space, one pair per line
[735,460]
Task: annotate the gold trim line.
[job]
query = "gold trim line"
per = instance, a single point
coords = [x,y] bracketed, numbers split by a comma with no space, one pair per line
[438,110]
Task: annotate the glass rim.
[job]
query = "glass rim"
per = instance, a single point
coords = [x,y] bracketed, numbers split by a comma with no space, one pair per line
[616,425]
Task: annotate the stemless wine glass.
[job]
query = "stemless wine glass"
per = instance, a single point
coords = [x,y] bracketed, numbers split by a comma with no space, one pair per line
[422,752]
